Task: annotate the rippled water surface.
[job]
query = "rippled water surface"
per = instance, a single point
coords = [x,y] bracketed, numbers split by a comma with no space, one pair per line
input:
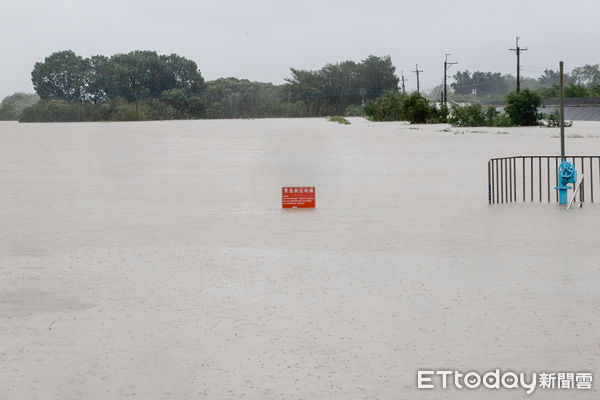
[154,259]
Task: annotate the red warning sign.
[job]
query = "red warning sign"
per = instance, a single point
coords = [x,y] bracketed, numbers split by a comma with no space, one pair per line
[298,197]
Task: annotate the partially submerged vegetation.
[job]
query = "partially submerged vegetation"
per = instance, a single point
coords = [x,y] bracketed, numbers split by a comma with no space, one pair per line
[521,110]
[143,85]
[476,115]
[394,106]
[339,120]
[552,120]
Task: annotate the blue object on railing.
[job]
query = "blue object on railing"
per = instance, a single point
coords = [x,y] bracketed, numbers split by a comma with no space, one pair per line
[566,175]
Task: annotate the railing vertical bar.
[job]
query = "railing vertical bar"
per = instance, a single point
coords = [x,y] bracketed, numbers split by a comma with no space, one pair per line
[491,180]
[523,179]
[582,189]
[489,188]
[497,183]
[501,181]
[508,161]
[515,176]
[540,176]
[531,184]
[494,198]
[548,171]
[507,179]
[591,181]
[505,170]
[556,175]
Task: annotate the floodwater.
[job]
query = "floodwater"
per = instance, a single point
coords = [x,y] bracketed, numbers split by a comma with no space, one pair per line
[152,260]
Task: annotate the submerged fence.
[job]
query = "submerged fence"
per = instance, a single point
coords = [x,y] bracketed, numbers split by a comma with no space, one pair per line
[533,178]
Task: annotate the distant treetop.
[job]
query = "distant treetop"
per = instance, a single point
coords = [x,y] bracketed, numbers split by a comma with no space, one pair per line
[133,76]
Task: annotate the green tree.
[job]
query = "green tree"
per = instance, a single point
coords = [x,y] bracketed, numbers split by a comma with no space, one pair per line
[377,75]
[12,106]
[241,98]
[417,110]
[335,87]
[485,83]
[522,107]
[62,76]
[387,107]
[185,104]
[588,75]
[549,78]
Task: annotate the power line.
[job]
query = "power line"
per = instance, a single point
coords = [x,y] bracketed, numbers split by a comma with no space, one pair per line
[566,43]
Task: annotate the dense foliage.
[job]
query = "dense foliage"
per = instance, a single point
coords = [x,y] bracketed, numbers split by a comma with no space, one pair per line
[475,115]
[387,107]
[143,85]
[394,106]
[112,110]
[335,87]
[493,87]
[240,98]
[482,83]
[522,108]
[133,76]
[12,106]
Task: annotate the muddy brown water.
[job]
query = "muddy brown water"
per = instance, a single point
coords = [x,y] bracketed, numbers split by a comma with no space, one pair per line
[153,259]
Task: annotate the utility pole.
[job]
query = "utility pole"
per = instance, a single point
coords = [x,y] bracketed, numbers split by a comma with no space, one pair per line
[403,80]
[446,64]
[562,113]
[416,71]
[518,50]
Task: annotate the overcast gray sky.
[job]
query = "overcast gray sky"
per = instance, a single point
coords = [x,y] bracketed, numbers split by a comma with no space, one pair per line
[261,39]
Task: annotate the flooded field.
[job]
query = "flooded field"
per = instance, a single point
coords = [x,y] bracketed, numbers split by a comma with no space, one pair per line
[154,261]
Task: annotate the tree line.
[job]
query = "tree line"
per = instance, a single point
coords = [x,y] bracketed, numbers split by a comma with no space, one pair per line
[580,82]
[143,85]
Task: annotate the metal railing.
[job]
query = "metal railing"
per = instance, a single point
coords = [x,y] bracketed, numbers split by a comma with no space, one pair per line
[533,178]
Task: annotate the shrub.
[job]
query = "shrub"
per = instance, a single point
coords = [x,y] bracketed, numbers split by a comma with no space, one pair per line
[60,111]
[394,106]
[417,109]
[443,113]
[552,120]
[387,107]
[476,115]
[522,108]
[469,115]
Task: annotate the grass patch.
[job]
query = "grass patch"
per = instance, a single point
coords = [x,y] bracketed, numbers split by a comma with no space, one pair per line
[339,119]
